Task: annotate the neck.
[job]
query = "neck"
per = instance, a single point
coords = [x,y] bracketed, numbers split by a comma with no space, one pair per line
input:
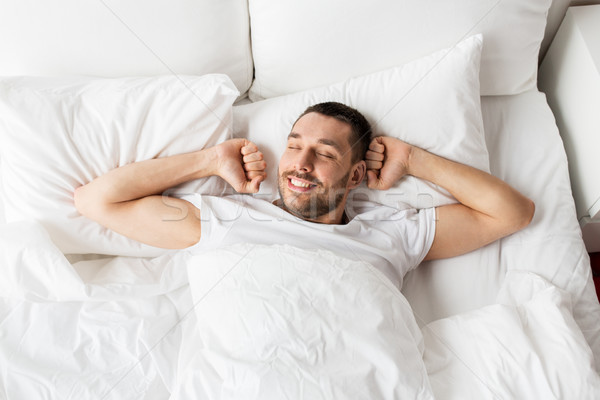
[334,217]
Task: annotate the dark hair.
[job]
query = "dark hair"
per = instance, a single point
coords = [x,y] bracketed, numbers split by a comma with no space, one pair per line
[361,129]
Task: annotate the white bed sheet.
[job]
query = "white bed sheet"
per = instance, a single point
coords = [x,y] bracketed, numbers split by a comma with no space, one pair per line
[526,151]
[2,217]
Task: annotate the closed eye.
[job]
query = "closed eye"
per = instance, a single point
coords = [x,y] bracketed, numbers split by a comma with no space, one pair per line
[326,155]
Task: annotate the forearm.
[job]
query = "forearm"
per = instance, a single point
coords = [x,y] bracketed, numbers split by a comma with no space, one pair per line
[145,178]
[126,199]
[473,188]
[488,208]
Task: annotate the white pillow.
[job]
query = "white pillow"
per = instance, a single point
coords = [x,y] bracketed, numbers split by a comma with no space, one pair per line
[282,322]
[298,45]
[432,102]
[58,134]
[112,38]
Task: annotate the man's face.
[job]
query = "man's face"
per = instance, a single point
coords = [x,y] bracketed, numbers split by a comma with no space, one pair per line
[315,169]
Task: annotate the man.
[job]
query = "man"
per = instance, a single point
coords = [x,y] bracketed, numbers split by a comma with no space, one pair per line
[326,157]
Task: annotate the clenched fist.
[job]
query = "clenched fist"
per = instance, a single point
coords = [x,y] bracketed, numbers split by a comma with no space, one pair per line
[241,164]
[387,162]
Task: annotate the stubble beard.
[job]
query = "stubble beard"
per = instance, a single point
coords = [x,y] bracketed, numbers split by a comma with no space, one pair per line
[315,203]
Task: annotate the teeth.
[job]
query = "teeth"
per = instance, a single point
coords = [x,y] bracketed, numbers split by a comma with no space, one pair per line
[298,183]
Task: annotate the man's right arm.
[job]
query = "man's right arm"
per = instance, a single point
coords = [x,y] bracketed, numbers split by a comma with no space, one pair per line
[488,208]
[128,199]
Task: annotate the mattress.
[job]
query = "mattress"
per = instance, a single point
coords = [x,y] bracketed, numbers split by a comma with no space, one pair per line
[122,327]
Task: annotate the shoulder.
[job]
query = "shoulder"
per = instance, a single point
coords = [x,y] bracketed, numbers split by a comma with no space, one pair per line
[410,225]
[199,198]
[369,210]
[236,204]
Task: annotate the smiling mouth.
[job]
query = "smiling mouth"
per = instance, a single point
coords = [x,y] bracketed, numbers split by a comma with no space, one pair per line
[299,185]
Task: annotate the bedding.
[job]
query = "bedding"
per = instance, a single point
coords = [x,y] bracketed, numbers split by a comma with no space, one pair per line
[240,323]
[2,217]
[126,327]
[269,327]
[115,39]
[518,337]
[526,151]
[515,319]
[302,45]
[85,127]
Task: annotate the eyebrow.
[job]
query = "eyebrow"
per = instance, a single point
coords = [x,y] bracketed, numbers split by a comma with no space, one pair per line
[327,142]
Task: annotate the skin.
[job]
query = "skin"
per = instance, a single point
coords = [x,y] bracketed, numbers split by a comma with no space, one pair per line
[316,172]
[128,199]
[315,169]
[488,208]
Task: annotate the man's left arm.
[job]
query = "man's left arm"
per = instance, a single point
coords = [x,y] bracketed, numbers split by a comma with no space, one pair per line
[488,208]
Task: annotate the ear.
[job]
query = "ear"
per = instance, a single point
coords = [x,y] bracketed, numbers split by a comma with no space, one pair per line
[357,174]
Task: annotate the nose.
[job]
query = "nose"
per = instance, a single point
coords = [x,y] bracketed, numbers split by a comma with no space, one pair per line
[304,161]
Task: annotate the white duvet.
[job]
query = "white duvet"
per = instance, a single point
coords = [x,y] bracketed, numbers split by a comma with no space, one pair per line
[267,322]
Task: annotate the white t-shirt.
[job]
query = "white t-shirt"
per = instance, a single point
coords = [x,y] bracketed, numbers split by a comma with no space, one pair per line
[393,241]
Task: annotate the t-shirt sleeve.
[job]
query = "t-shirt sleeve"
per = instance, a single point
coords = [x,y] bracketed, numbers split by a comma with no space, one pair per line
[217,217]
[416,233]
[196,200]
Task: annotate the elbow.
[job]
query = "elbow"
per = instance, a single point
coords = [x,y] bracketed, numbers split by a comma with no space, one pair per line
[84,203]
[518,218]
[525,214]
[78,200]
[528,213]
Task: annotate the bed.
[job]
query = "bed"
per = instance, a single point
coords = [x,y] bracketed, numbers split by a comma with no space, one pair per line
[85,313]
